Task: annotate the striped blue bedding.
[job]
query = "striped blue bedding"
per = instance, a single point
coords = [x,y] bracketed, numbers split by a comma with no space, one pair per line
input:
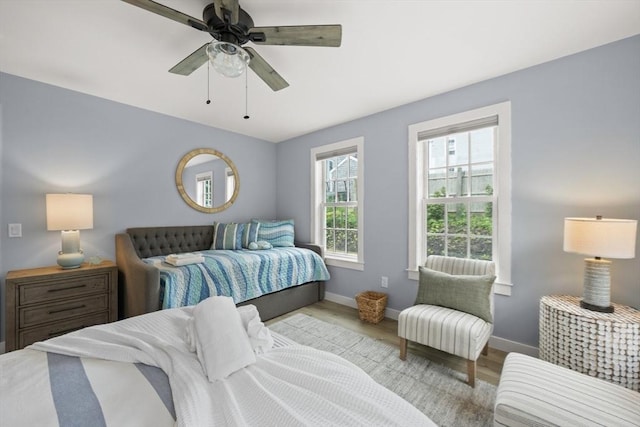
[240,274]
[48,389]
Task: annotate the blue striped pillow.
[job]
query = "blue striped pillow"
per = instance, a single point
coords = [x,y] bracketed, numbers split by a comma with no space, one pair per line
[278,233]
[227,236]
[250,234]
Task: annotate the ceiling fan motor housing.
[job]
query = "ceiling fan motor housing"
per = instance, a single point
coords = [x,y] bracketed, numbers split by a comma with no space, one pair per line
[222,29]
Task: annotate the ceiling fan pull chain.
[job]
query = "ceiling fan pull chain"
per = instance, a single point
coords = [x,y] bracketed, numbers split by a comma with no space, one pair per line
[208,91]
[246,94]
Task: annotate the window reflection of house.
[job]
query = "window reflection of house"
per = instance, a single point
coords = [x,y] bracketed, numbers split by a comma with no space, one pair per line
[341,174]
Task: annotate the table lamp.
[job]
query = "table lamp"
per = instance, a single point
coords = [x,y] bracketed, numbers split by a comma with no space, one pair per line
[600,238]
[70,213]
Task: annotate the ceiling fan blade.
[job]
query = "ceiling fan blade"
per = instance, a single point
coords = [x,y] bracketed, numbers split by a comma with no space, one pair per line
[167,12]
[192,62]
[300,35]
[265,71]
[231,6]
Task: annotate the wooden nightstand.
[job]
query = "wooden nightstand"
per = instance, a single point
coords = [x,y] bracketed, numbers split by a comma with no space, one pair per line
[45,302]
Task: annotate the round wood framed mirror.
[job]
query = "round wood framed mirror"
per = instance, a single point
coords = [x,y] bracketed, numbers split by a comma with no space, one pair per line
[207,180]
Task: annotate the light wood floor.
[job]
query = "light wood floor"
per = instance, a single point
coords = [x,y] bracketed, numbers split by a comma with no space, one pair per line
[488,367]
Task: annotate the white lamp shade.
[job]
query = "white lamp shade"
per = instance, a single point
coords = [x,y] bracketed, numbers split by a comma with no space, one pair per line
[69,211]
[606,237]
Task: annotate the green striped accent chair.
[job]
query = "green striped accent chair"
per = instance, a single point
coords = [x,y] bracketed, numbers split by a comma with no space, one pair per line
[449,329]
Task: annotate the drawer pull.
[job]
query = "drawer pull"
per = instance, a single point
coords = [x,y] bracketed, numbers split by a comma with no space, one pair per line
[66,289]
[67,309]
[53,334]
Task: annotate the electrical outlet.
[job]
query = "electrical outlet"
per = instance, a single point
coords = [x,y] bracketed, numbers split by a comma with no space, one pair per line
[384,282]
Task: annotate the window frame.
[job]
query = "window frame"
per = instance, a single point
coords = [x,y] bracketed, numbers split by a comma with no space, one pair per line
[502,189]
[317,219]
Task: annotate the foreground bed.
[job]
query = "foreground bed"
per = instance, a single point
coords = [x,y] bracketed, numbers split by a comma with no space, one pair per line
[149,376]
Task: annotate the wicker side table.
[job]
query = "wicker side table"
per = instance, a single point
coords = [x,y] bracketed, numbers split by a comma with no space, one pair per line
[603,345]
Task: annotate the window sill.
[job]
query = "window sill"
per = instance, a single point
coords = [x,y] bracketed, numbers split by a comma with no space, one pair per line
[499,288]
[344,263]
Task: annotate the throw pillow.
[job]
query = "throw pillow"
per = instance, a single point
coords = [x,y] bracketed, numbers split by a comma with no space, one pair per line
[471,294]
[250,234]
[278,233]
[227,236]
[260,245]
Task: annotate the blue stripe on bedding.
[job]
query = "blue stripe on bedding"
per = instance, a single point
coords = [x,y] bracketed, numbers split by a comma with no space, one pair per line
[160,383]
[240,274]
[72,394]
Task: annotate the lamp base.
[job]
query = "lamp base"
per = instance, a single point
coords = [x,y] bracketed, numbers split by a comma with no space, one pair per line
[597,285]
[596,307]
[70,260]
[71,256]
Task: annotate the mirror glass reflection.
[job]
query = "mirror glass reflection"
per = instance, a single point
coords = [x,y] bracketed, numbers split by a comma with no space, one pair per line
[207,180]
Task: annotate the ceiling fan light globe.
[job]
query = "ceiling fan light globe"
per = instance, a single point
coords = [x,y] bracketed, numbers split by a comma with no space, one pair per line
[227,59]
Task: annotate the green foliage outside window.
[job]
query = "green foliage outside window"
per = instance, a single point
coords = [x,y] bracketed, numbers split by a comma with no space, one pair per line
[451,237]
[341,229]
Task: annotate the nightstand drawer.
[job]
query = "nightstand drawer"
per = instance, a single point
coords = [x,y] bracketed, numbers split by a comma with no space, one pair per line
[30,316]
[29,336]
[52,290]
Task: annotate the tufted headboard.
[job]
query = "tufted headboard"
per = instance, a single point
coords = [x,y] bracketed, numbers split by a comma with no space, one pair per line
[156,241]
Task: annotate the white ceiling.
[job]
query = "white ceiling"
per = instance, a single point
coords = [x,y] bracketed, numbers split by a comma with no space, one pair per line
[393,52]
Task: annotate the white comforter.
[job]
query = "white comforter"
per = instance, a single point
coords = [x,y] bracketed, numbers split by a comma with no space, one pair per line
[292,385]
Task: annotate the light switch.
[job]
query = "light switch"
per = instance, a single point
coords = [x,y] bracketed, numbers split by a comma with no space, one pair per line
[15,230]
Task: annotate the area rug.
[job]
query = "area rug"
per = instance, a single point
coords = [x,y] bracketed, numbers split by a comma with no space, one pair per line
[439,392]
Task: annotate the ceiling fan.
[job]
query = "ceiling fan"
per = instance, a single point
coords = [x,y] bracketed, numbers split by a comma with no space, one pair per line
[231,27]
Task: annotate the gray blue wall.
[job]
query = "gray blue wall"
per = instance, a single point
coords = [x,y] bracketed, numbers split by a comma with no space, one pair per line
[575,152]
[56,140]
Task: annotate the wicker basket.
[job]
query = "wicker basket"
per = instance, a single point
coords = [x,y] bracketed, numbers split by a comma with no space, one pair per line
[371,306]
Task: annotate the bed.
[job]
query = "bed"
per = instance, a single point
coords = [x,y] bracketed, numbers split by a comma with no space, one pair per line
[140,252]
[142,371]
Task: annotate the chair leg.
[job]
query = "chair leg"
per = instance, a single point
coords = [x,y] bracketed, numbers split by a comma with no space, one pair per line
[403,348]
[485,350]
[471,372]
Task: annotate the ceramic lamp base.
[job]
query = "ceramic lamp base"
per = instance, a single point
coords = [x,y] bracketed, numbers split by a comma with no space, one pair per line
[71,260]
[597,285]
[71,256]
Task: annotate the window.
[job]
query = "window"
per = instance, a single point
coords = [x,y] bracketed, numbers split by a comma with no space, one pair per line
[336,196]
[204,189]
[460,189]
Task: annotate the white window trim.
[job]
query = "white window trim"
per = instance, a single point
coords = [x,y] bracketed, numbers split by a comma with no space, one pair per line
[316,203]
[502,188]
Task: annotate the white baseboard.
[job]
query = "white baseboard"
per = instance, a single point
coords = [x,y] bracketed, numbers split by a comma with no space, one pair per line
[2,347]
[512,346]
[494,342]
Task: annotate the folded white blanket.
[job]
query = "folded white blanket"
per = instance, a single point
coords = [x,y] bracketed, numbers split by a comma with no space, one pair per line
[259,335]
[177,262]
[222,343]
[183,255]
